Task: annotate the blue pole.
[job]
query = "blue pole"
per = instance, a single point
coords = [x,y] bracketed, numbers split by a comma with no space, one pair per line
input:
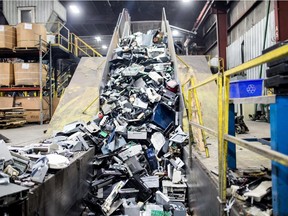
[231,131]
[279,142]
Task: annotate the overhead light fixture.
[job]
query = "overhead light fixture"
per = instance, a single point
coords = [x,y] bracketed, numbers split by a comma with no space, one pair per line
[104,47]
[98,39]
[185,0]
[175,33]
[74,9]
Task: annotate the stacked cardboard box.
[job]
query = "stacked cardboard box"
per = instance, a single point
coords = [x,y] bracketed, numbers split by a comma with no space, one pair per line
[6,74]
[32,108]
[28,34]
[7,37]
[6,102]
[28,74]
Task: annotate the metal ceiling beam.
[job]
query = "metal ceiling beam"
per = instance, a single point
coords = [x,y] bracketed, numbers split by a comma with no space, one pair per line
[182,30]
[202,15]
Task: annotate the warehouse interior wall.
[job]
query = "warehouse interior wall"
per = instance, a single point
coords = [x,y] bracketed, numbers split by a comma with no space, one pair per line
[42,10]
[247,39]
[246,22]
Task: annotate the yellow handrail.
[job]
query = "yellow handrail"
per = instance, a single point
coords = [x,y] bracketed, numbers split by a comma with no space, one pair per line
[74,44]
[87,46]
[223,84]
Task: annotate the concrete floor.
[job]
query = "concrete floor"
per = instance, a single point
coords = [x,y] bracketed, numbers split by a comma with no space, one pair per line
[245,158]
[28,134]
[33,133]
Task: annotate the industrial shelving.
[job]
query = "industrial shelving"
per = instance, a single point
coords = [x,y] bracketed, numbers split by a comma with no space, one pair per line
[37,53]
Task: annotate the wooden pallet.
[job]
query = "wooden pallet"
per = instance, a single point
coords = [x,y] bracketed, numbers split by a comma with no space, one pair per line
[11,117]
[18,86]
[33,49]
[26,48]
[12,124]
[5,109]
[5,49]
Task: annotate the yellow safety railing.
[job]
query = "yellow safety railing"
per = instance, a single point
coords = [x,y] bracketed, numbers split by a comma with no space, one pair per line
[223,86]
[193,96]
[79,46]
[72,43]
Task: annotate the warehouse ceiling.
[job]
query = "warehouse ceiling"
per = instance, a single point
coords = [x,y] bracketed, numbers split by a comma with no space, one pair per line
[100,17]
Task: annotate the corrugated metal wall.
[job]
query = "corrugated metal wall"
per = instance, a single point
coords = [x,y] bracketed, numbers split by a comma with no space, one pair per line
[253,45]
[43,9]
[60,10]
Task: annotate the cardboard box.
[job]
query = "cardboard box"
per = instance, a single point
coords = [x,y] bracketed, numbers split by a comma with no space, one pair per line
[7,36]
[34,115]
[28,74]
[6,102]
[28,34]
[6,74]
[32,103]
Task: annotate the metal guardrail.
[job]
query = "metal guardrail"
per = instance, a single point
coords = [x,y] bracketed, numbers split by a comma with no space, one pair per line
[72,43]
[223,86]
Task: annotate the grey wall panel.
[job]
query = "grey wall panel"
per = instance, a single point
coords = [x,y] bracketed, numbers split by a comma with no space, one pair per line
[213,52]
[253,45]
[60,10]
[208,23]
[43,10]
[238,8]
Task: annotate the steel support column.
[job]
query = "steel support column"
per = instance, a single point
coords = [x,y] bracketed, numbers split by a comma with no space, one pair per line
[279,125]
[281,20]
[222,33]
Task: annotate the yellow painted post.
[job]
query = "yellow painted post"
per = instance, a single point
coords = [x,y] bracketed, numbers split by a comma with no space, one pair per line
[199,114]
[222,196]
[189,107]
[76,46]
[69,42]
[225,131]
[58,35]
[193,94]
[184,96]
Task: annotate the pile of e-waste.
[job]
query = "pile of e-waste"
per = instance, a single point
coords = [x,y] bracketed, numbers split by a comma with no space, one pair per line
[138,166]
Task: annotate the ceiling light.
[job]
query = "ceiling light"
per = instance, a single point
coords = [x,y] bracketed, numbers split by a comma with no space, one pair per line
[74,9]
[175,33]
[98,39]
[104,47]
[185,0]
